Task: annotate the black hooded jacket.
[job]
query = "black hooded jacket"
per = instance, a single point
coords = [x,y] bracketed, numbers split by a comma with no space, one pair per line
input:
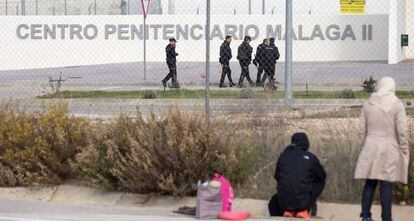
[296,170]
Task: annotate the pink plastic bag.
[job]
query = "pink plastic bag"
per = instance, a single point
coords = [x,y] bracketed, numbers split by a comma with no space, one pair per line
[226,191]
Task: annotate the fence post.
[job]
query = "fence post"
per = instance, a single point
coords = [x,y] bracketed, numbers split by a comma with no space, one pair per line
[263,7]
[66,8]
[288,54]
[250,7]
[145,45]
[37,7]
[94,5]
[23,7]
[207,98]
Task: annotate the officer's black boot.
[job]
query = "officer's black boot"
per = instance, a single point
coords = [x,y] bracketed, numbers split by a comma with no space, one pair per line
[223,75]
[231,82]
[165,80]
[250,80]
[263,80]
[240,84]
[272,85]
[258,79]
[175,83]
[258,82]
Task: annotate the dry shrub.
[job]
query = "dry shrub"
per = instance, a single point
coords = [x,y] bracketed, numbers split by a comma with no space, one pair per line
[166,154]
[38,147]
[269,138]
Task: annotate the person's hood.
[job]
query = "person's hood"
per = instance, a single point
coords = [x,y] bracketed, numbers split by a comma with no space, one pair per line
[300,140]
[384,97]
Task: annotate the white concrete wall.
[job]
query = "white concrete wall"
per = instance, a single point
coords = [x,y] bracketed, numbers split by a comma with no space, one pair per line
[39,53]
[397,26]
[410,27]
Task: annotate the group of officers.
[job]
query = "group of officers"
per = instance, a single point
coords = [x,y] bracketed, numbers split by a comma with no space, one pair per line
[265,60]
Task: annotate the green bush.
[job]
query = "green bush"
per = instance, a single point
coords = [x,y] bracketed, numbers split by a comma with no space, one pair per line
[149,94]
[369,85]
[348,94]
[247,93]
[39,147]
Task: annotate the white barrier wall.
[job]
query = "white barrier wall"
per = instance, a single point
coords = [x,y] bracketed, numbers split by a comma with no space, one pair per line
[397,26]
[410,28]
[55,41]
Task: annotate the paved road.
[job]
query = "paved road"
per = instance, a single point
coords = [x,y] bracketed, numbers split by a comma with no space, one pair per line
[18,210]
[118,76]
[25,85]
[36,211]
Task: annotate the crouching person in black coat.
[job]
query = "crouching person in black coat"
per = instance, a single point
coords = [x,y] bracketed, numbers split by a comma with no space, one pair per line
[300,180]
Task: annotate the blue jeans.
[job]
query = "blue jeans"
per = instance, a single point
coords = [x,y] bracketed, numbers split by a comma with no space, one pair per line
[385,195]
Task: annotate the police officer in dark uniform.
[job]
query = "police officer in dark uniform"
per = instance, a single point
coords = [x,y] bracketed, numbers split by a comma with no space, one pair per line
[272,55]
[225,56]
[244,56]
[276,55]
[258,61]
[172,64]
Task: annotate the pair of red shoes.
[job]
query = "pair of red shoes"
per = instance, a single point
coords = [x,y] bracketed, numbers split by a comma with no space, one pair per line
[303,214]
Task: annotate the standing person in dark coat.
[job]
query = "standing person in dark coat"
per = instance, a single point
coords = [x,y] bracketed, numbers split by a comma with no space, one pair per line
[300,180]
[258,61]
[271,56]
[172,64]
[244,55]
[225,57]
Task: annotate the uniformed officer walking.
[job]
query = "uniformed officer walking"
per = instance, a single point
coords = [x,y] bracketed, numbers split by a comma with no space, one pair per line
[225,56]
[258,61]
[244,56]
[271,56]
[172,64]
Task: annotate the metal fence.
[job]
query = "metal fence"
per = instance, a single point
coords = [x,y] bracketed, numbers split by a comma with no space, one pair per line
[75,7]
[111,61]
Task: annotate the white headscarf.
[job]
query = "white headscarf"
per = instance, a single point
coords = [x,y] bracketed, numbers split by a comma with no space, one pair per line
[384,97]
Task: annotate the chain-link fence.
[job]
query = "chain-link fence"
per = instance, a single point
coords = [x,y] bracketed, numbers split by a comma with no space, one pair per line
[76,7]
[234,61]
[335,52]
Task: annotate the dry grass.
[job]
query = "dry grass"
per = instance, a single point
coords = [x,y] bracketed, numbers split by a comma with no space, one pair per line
[169,154]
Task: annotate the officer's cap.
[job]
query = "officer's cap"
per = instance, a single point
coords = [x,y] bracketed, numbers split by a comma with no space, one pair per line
[173,40]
